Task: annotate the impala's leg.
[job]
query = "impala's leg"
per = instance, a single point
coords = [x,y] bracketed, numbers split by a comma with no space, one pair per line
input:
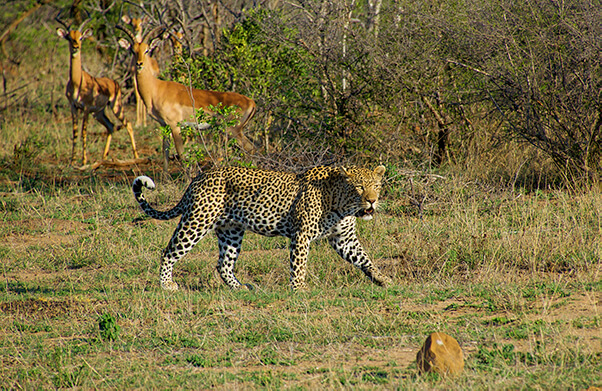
[84,138]
[140,107]
[118,111]
[117,108]
[177,140]
[104,120]
[105,152]
[166,145]
[143,106]
[128,126]
[138,101]
[75,124]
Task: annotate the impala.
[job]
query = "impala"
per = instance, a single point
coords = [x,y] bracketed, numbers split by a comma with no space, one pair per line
[176,38]
[137,24]
[169,102]
[90,94]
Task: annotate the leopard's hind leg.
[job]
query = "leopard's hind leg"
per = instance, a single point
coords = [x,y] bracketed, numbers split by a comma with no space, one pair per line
[230,241]
[191,229]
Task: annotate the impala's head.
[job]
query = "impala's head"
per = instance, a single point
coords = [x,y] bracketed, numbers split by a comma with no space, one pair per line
[73,36]
[176,38]
[136,24]
[141,52]
[139,48]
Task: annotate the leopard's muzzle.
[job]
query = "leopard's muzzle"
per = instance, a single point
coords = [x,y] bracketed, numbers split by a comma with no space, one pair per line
[366,214]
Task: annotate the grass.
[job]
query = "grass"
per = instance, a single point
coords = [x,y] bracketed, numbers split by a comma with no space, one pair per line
[514,277]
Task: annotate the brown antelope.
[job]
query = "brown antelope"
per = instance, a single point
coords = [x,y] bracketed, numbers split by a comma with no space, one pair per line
[169,102]
[90,94]
[137,24]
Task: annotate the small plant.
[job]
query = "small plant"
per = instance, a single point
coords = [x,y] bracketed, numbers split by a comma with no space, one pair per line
[199,361]
[209,133]
[25,152]
[207,361]
[507,354]
[109,329]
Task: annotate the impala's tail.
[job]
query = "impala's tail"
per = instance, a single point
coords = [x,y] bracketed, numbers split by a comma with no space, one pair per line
[144,181]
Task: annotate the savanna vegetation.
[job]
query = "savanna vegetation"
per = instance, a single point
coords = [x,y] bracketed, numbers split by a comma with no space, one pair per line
[487,115]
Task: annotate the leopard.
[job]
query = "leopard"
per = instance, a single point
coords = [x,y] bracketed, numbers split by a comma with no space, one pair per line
[322,202]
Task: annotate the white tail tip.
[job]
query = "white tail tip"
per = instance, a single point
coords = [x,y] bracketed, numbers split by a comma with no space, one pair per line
[146,182]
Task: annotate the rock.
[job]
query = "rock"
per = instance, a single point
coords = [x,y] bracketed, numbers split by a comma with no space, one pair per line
[441,354]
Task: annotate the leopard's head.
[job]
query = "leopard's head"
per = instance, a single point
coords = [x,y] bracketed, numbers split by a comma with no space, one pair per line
[363,189]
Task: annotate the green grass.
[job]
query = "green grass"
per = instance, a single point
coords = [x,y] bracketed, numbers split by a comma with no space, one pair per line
[514,279]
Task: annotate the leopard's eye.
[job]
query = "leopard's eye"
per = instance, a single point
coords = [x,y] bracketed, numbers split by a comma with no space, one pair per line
[359,187]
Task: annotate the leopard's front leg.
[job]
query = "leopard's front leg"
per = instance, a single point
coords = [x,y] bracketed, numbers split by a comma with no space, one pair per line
[166,278]
[347,245]
[298,260]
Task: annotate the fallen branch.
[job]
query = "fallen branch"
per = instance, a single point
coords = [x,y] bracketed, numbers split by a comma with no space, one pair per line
[113,163]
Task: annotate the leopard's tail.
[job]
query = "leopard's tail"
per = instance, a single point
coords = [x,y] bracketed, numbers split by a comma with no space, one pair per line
[144,181]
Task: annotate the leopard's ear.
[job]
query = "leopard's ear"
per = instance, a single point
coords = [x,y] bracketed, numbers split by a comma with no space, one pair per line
[344,172]
[380,171]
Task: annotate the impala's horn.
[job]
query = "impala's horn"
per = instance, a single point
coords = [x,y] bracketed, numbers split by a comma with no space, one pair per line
[61,21]
[85,22]
[154,33]
[128,32]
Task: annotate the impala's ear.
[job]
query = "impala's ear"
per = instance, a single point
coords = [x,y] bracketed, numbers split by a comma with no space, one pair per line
[380,171]
[126,19]
[87,33]
[61,33]
[124,43]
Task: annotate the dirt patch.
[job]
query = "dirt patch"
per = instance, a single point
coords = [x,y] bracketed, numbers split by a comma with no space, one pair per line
[45,225]
[41,232]
[43,308]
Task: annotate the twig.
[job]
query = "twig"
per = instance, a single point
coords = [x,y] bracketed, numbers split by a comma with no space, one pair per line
[469,67]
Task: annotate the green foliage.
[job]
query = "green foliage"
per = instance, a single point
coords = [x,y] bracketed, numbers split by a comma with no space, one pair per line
[505,353]
[270,356]
[209,361]
[264,58]
[554,105]
[420,82]
[209,132]
[376,376]
[109,329]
